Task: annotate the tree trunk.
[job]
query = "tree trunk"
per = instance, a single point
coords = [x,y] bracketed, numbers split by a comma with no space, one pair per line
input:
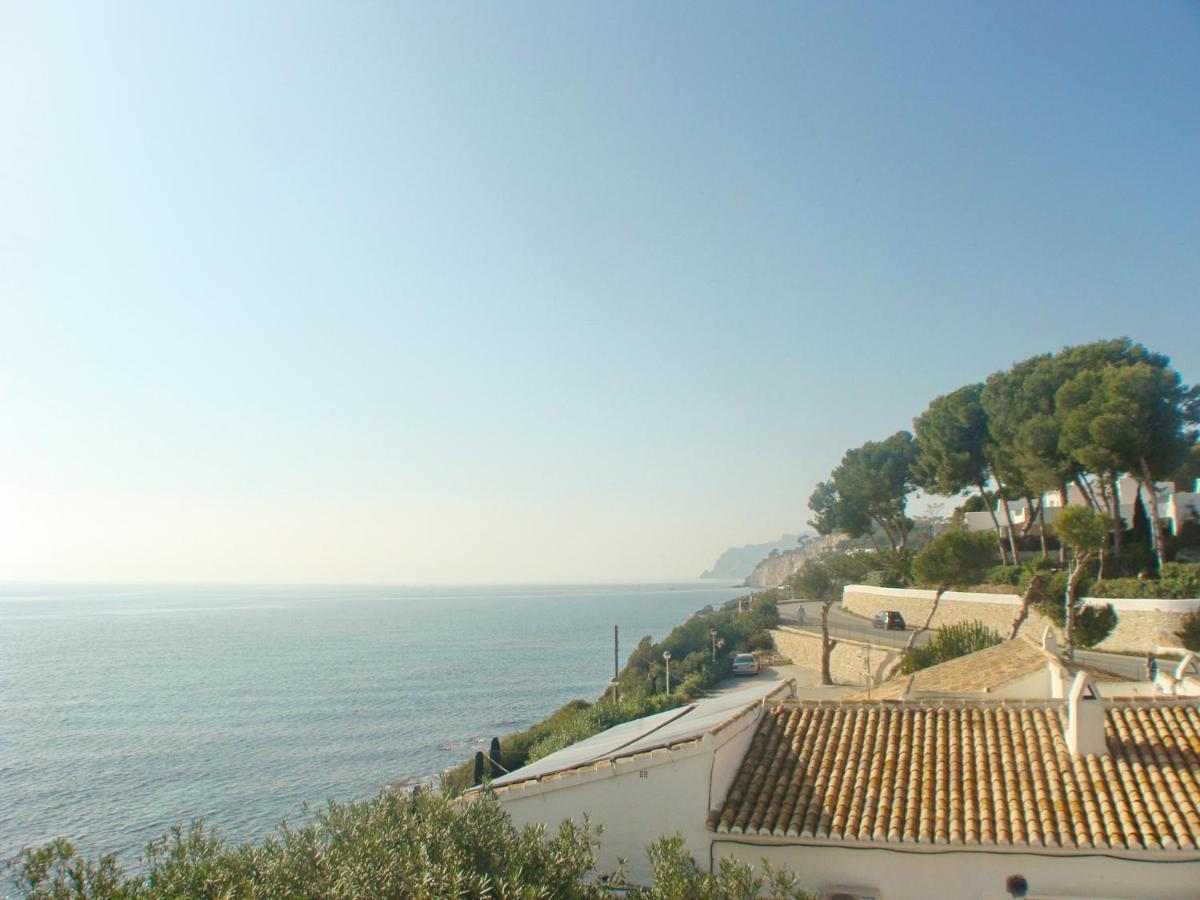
[1042,529]
[882,523]
[826,644]
[995,523]
[1118,522]
[1069,609]
[1031,590]
[937,599]
[1072,587]
[1012,539]
[1106,498]
[1062,500]
[1147,482]
[1086,490]
[1030,516]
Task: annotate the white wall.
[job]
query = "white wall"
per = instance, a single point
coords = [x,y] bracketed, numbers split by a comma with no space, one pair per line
[1034,684]
[850,662]
[1142,624]
[641,799]
[971,875]
[635,810]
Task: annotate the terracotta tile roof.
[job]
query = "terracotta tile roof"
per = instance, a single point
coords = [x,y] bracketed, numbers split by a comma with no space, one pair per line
[970,773]
[979,671]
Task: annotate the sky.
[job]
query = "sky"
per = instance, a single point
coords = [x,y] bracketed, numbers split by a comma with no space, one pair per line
[522,292]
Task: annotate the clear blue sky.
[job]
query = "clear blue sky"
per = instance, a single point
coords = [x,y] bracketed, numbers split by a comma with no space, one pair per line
[563,291]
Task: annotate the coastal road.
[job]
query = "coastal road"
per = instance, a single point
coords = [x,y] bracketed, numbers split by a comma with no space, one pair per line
[847,625]
[1132,667]
[808,682]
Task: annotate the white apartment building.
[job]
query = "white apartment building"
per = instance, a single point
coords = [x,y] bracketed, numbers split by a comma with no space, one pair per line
[1174,508]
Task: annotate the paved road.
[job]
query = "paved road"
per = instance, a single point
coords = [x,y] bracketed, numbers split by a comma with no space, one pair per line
[808,682]
[844,624]
[1133,667]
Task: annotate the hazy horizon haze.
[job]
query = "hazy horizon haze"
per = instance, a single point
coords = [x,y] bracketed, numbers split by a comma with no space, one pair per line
[470,293]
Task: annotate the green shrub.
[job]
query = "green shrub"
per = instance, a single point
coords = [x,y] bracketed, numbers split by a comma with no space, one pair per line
[890,568]
[760,640]
[1178,581]
[951,642]
[1182,579]
[391,846]
[1126,587]
[1189,630]
[693,686]
[954,557]
[1092,623]
[1004,575]
[568,732]
[677,877]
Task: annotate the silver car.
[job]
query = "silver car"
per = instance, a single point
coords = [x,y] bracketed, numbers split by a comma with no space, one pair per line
[745,664]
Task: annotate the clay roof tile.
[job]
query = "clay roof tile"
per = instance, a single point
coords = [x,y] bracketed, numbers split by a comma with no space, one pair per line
[975,774]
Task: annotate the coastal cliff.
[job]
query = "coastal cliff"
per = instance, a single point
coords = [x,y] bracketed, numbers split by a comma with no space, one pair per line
[739,562]
[779,567]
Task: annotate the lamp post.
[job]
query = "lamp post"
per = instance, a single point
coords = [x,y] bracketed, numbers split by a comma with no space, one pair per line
[667,658]
[712,633]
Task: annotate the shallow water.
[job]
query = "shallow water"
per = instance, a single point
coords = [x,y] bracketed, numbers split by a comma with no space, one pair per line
[125,710]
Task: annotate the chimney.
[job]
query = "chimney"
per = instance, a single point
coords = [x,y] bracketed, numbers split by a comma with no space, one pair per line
[1049,641]
[1085,719]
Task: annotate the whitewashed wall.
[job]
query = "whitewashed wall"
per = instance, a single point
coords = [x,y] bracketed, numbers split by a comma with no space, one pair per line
[973,875]
[642,798]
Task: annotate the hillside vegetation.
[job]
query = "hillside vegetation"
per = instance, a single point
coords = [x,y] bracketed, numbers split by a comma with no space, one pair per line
[643,688]
[419,846]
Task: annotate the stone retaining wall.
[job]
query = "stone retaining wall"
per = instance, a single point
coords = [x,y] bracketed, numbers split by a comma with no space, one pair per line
[1142,625]
[849,663]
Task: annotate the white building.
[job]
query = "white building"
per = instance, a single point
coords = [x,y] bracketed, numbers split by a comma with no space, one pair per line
[1175,508]
[645,779]
[900,799]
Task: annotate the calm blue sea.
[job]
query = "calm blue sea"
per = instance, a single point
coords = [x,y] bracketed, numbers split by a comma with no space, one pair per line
[125,710]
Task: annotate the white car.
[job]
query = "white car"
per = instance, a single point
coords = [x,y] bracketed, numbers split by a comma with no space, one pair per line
[745,664]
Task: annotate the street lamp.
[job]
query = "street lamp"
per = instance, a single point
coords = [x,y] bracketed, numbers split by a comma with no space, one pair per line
[712,633]
[667,658]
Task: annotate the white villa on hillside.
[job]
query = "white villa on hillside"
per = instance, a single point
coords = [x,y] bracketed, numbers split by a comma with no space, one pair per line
[1082,795]
[1174,507]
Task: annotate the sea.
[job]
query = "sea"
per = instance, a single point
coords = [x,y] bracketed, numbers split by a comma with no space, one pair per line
[125,710]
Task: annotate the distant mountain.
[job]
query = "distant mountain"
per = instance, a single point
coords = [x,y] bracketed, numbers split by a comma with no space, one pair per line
[777,568]
[738,562]
[773,571]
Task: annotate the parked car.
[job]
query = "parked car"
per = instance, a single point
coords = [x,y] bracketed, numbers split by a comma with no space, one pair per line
[890,620]
[745,664]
